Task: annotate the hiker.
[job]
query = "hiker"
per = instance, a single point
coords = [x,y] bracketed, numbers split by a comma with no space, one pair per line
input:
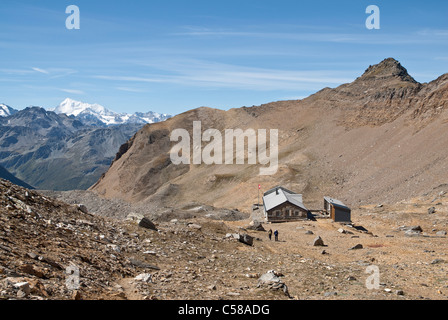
[270,234]
[276,235]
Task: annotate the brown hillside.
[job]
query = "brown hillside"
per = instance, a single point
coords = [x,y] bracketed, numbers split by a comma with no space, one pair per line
[380,139]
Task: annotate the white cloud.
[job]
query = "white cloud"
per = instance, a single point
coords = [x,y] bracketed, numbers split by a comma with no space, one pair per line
[127,89]
[16,71]
[433,32]
[40,70]
[220,75]
[55,72]
[354,35]
[72,91]
[129,78]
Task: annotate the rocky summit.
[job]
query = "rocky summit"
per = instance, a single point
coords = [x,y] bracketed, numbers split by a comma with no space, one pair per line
[388,68]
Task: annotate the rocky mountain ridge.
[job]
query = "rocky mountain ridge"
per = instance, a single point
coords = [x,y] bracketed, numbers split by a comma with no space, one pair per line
[362,142]
[6,175]
[56,151]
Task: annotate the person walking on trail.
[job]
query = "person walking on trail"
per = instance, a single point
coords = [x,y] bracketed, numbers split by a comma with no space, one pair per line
[276,235]
[270,234]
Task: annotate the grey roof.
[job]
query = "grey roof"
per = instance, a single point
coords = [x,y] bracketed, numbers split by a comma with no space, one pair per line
[336,202]
[272,199]
[278,188]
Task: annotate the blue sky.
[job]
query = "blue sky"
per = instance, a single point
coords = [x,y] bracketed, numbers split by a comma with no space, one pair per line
[174,55]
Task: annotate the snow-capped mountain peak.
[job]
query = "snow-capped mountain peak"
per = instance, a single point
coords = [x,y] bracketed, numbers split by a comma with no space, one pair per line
[6,111]
[86,111]
[75,108]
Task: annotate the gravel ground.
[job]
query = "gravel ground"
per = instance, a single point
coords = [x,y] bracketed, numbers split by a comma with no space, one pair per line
[199,258]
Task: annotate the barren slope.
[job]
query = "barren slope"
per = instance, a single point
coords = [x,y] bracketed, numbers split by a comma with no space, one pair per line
[381,138]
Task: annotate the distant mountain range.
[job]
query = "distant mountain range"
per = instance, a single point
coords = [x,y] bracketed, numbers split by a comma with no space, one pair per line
[97,114]
[68,148]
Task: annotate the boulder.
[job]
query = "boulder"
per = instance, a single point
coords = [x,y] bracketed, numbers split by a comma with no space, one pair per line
[268,278]
[24,289]
[141,264]
[32,255]
[147,224]
[194,226]
[246,239]
[233,236]
[32,270]
[256,226]
[38,288]
[330,294]
[318,242]
[272,282]
[144,277]
[412,228]
[344,231]
[437,261]
[143,222]
[412,233]
[83,208]
[76,295]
